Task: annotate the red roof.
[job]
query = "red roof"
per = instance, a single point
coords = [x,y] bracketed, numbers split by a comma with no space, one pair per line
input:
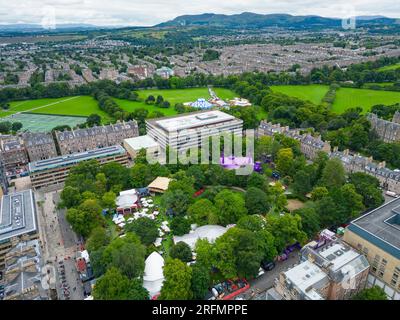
[81,265]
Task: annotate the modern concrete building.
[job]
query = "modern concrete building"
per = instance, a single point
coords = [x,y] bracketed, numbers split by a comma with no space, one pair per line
[54,171]
[18,221]
[153,149]
[190,130]
[81,140]
[39,146]
[377,235]
[328,270]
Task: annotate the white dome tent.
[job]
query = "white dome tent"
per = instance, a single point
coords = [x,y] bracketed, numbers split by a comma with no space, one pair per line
[209,232]
[153,277]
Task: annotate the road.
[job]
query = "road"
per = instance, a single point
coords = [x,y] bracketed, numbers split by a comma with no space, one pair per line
[259,286]
[60,244]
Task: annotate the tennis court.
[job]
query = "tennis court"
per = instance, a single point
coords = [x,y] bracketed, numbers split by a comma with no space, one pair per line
[41,122]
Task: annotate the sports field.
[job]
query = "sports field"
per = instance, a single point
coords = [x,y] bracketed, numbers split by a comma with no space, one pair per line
[43,123]
[349,98]
[314,93]
[75,106]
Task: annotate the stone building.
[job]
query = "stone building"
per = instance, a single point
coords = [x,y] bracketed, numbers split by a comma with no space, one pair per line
[388,179]
[328,270]
[13,154]
[309,145]
[82,140]
[388,131]
[39,146]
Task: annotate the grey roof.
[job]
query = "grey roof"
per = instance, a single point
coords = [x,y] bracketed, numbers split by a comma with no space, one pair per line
[39,138]
[23,272]
[17,214]
[72,159]
[95,131]
[381,227]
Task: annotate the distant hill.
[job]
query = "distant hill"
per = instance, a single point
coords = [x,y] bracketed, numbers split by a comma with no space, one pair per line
[254,20]
[28,28]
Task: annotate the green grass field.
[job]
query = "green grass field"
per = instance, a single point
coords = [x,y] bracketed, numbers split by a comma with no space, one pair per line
[75,106]
[391,67]
[349,98]
[174,96]
[313,93]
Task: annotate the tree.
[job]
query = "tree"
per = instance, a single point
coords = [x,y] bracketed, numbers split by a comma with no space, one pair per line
[16,126]
[145,228]
[286,230]
[108,200]
[180,226]
[181,251]
[368,187]
[86,217]
[98,238]
[333,174]
[200,280]
[177,281]
[310,221]
[93,120]
[257,180]
[318,193]
[5,127]
[115,286]
[159,100]
[70,197]
[238,253]
[349,202]
[373,293]
[129,259]
[203,212]
[284,161]
[256,201]
[302,183]
[230,207]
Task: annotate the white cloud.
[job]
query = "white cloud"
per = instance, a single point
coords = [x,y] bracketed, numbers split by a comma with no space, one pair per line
[150,12]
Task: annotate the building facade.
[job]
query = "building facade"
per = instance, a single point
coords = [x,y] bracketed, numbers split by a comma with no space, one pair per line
[39,146]
[13,154]
[54,171]
[309,145]
[328,270]
[377,235]
[82,140]
[190,130]
[388,131]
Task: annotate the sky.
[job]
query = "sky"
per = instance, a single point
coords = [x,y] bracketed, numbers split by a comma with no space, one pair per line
[151,12]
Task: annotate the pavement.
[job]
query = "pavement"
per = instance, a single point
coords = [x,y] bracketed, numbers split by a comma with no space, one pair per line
[260,285]
[60,243]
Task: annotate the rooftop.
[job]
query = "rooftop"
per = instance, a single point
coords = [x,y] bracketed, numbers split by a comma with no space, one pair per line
[72,159]
[306,276]
[17,215]
[141,142]
[192,120]
[381,227]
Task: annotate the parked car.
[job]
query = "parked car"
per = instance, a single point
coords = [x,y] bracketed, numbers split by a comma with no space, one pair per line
[268,265]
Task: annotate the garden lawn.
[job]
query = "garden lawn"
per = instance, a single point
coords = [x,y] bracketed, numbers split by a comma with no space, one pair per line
[347,98]
[391,67]
[314,93]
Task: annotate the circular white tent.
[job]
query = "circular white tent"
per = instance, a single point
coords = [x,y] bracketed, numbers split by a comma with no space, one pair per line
[153,277]
[209,232]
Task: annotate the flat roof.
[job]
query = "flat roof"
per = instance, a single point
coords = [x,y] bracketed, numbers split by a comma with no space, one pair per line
[307,275]
[17,214]
[192,120]
[339,255]
[141,142]
[380,227]
[75,158]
